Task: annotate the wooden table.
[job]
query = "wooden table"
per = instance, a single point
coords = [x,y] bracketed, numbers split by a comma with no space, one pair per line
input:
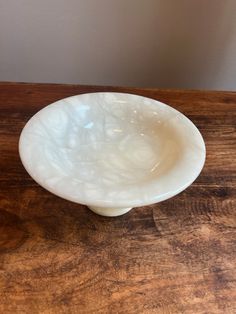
[178,256]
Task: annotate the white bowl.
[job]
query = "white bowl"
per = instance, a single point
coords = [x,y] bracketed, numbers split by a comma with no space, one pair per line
[112,151]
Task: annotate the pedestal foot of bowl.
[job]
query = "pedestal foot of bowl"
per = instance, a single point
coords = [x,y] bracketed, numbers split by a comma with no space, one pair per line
[109,212]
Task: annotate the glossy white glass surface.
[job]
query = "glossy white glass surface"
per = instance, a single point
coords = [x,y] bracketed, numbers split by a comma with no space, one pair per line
[112,151]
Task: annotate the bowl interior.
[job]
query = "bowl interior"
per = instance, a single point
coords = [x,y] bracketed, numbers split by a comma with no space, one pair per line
[104,148]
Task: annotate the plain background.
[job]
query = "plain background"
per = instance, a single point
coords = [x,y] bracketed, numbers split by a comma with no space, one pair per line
[149,43]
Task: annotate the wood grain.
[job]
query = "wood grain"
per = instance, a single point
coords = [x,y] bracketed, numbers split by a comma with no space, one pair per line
[177,256]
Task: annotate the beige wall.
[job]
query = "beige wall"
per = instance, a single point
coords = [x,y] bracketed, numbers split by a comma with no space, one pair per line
[161,43]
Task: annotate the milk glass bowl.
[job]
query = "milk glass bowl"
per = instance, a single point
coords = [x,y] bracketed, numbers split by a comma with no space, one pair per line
[112,151]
